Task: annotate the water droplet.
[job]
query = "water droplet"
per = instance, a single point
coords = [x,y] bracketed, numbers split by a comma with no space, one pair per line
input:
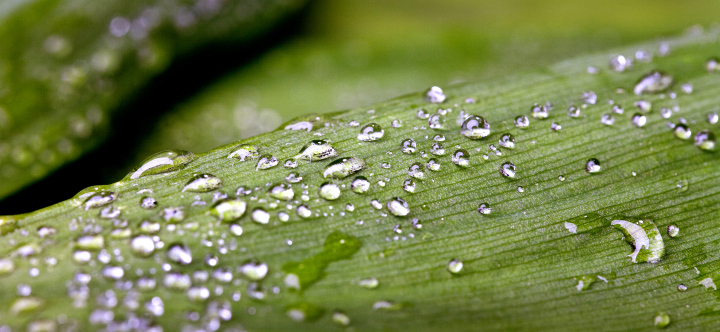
[454,266]
[507,141]
[522,121]
[282,192]
[584,282]
[142,245]
[592,165]
[484,208]
[662,320]
[682,131]
[433,165]
[395,123]
[177,281]
[203,183]
[673,231]
[416,170]
[617,109]
[303,211]
[46,231]
[461,158]
[371,132]
[646,239]
[329,191]
[266,161]
[421,114]
[507,169]
[475,127]
[90,242]
[713,64]
[229,210]
[620,63]
[555,127]
[653,82]
[437,149]
[245,152]
[236,229]
[113,272]
[639,120]
[24,305]
[705,140]
[409,185]
[643,105]
[163,162]
[340,318]
[539,111]
[148,203]
[290,163]
[436,121]
[304,312]
[607,119]
[687,88]
[343,167]
[317,150]
[7,266]
[398,207]
[439,138]
[99,199]
[712,118]
[409,146]
[254,270]
[589,97]
[179,253]
[293,177]
[260,216]
[682,287]
[360,185]
[665,113]
[573,112]
[369,283]
[434,95]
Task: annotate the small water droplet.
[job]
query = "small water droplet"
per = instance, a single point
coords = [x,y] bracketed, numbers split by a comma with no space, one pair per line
[620,63]
[617,109]
[245,152]
[433,165]
[454,266]
[409,185]
[266,161]
[260,216]
[329,191]
[682,131]
[439,138]
[282,192]
[539,111]
[293,177]
[416,170]
[99,199]
[436,121]
[162,162]
[142,245]
[573,112]
[662,320]
[179,253]
[522,121]
[507,169]
[317,150]
[236,229]
[555,127]
[343,167]
[682,287]
[653,82]
[712,118]
[229,210]
[643,105]
[421,114]
[475,127]
[673,231]
[507,141]
[484,208]
[639,120]
[687,88]
[371,132]
[434,95]
[254,270]
[360,185]
[589,97]
[409,146]
[395,123]
[704,140]
[340,318]
[90,242]
[369,283]
[461,158]
[665,113]
[303,211]
[592,165]
[398,207]
[607,119]
[290,163]
[202,183]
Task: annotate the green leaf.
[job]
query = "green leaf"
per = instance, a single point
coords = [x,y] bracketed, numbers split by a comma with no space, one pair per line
[68,66]
[275,248]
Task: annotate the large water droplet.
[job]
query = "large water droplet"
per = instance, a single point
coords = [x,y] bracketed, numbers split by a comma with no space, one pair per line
[179,253]
[592,165]
[229,210]
[203,183]
[398,207]
[360,185]
[475,127]
[434,95]
[507,169]
[245,152]
[646,239]
[507,141]
[317,150]
[461,158]
[409,146]
[371,132]
[705,140]
[329,191]
[682,131]
[343,167]
[162,162]
[653,82]
[142,245]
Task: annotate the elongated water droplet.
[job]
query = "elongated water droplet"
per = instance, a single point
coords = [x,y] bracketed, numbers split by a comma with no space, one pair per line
[682,131]
[99,199]
[705,140]
[203,183]
[317,150]
[266,161]
[653,82]
[290,163]
[343,167]
[646,239]
[229,210]
[179,253]
[398,207]
[90,242]
[371,132]
[507,169]
[475,127]
[592,165]
[360,185]
[461,158]
[161,162]
[245,152]
[260,216]
[409,146]
[454,266]
[434,95]
[329,191]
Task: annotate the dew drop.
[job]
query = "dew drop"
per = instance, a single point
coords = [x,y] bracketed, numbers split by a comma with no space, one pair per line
[303,211]
[317,150]
[290,163]
[203,183]
[179,253]
[436,121]
[395,123]
[646,239]
[433,165]
[522,121]
[682,131]
[148,203]
[343,167]
[673,231]
[507,170]
[643,105]
[90,242]
[589,97]
[293,177]
[409,185]
[607,119]
[484,208]
[507,141]
[229,210]
[712,118]
[475,127]
[617,109]
[99,199]
[434,95]
[705,140]
[398,207]
[573,112]
[639,120]
[421,114]
[236,229]
[266,161]
[539,111]
[329,191]
[454,266]
[260,216]
[439,138]
[653,82]
[282,192]
[340,318]
[665,113]
[620,63]
[461,158]
[173,214]
[555,127]
[142,245]
[416,170]
[163,162]
[360,185]
[254,270]
[369,283]
[245,152]
[371,132]
[712,65]
[409,146]
[592,165]
[662,320]
[437,149]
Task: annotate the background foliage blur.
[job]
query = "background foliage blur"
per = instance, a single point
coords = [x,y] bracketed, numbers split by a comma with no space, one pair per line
[336,55]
